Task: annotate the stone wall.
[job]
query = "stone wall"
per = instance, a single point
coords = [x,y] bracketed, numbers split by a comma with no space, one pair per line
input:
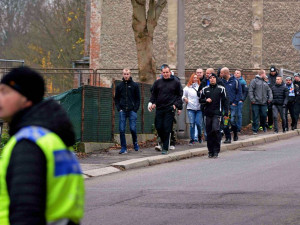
[281,22]
[218,33]
[118,48]
[221,33]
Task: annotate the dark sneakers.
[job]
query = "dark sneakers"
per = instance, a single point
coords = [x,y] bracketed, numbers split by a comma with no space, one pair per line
[227,141]
[136,147]
[210,155]
[216,155]
[164,152]
[123,151]
[235,138]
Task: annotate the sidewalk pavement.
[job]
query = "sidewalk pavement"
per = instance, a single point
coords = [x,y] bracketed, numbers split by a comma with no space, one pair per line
[103,163]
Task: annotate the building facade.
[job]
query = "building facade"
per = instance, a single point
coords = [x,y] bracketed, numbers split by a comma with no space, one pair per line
[247,34]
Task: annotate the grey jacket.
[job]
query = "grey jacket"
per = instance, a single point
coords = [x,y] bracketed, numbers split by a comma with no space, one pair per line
[259,91]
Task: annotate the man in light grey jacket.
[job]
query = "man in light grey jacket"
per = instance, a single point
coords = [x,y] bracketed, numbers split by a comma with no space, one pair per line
[260,95]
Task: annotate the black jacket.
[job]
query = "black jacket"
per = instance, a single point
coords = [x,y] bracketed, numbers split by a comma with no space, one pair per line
[167,92]
[26,173]
[297,92]
[272,79]
[127,97]
[219,100]
[280,94]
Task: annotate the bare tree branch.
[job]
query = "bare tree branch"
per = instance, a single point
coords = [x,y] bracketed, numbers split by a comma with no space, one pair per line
[160,5]
[154,12]
[139,15]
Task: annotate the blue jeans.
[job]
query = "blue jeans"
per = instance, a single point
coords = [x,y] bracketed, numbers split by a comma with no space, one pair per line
[234,117]
[195,118]
[122,126]
[240,115]
[257,112]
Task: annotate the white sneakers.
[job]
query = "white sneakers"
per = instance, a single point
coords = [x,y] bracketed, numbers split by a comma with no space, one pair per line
[158,148]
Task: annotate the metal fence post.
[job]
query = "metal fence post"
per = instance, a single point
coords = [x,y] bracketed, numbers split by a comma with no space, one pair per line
[113,109]
[82,112]
[142,108]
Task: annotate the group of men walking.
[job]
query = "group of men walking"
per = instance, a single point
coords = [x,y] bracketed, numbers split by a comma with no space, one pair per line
[214,105]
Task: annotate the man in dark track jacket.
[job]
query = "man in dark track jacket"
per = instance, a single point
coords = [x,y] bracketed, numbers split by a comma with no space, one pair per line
[279,102]
[166,98]
[127,100]
[215,100]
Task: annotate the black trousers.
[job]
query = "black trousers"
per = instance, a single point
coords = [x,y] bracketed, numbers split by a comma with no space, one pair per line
[270,114]
[213,134]
[297,112]
[163,123]
[290,108]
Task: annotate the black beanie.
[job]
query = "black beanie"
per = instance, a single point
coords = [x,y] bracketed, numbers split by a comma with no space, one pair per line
[213,75]
[27,82]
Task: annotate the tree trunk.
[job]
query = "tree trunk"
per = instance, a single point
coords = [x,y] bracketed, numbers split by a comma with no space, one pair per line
[143,26]
[146,61]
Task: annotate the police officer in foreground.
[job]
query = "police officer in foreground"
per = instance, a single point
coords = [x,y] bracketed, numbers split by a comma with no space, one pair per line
[40,178]
[215,101]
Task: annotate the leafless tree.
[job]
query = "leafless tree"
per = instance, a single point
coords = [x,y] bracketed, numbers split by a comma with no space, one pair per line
[143,24]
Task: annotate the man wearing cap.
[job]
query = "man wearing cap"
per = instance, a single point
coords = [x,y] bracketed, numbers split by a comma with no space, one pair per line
[272,81]
[296,79]
[291,102]
[40,178]
[215,101]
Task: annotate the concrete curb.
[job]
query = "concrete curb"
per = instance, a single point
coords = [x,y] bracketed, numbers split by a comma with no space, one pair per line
[159,159]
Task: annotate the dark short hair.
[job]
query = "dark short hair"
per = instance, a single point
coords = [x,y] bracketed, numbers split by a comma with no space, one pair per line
[164,66]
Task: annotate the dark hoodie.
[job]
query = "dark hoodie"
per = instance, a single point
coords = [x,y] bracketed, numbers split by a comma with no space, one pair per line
[127,96]
[167,92]
[26,173]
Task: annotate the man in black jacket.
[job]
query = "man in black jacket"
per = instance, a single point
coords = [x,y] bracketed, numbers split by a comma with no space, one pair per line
[27,174]
[297,104]
[290,104]
[271,81]
[215,100]
[127,100]
[280,100]
[166,98]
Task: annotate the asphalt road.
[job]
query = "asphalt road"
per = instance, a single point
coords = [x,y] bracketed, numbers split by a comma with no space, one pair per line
[254,185]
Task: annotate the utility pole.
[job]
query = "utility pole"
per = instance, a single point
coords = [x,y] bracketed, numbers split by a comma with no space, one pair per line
[182,125]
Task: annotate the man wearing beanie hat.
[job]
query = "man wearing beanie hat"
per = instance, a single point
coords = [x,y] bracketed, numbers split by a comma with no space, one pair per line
[296,79]
[215,101]
[40,177]
[272,81]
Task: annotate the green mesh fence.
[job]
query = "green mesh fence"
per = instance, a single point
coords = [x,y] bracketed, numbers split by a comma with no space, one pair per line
[99,121]
[71,102]
[97,114]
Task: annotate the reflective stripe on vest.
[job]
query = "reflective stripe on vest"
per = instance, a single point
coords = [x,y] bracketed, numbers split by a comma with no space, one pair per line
[65,186]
